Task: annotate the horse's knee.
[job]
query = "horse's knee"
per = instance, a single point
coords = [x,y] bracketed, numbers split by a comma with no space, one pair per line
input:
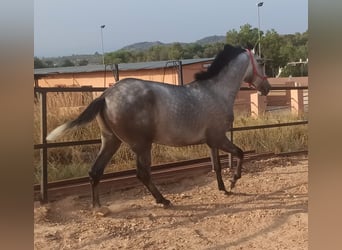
[239,153]
[95,177]
[143,167]
[143,175]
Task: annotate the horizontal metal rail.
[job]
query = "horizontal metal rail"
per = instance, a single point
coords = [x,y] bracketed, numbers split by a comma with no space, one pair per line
[69,89]
[66,144]
[275,125]
[278,88]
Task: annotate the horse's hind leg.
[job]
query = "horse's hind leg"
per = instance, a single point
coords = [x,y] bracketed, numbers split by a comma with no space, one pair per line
[110,144]
[144,173]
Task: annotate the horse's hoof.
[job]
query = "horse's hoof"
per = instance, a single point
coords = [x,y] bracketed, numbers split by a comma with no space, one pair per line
[101,211]
[228,192]
[96,206]
[225,192]
[167,203]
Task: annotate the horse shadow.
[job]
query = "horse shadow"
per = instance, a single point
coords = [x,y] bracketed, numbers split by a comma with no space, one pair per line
[214,209]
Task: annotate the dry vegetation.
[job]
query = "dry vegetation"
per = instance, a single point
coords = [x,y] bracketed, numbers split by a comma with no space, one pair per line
[70,162]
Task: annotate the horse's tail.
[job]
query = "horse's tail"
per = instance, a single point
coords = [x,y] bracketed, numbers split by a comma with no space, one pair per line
[85,117]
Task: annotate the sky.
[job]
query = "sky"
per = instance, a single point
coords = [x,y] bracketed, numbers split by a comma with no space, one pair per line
[67,27]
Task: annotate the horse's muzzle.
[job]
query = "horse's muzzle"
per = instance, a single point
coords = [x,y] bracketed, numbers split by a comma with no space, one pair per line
[264,88]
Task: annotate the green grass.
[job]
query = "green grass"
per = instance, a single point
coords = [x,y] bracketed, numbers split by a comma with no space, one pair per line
[73,162]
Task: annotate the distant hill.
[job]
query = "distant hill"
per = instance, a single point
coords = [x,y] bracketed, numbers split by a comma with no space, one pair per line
[147,45]
[140,46]
[211,39]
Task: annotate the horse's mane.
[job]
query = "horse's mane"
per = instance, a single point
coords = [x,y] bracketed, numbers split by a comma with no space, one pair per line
[228,53]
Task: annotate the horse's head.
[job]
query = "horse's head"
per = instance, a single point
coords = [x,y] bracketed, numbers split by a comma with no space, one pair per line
[255,75]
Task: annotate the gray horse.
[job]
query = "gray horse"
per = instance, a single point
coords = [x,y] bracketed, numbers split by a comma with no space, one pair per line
[140,113]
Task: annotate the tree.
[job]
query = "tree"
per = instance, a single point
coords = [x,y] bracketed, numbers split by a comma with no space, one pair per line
[271,46]
[67,63]
[175,52]
[232,37]
[83,62]
[212,49]
[192,50]
[139,56]
[49,63]
[277,50]
[154,53]
[247,35]
[38,63]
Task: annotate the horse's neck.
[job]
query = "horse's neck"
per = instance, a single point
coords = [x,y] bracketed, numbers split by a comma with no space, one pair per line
[229,80]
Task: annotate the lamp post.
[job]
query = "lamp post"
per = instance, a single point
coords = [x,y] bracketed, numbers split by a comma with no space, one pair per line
[102,27]
[259,5]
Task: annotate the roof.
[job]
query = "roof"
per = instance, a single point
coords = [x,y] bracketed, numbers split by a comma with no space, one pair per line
[122,67]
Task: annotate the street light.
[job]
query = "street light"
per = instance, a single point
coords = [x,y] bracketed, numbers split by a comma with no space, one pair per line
[259,5]
[102,27]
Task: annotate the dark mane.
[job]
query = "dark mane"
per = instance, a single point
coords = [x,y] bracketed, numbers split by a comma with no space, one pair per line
[228,53]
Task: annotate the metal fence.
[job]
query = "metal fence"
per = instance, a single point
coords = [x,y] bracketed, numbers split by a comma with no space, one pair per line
[41,95]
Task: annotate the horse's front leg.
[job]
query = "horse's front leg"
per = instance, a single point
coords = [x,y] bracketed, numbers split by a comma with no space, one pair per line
[94,182]
[227,146]
[215,160]
[144,175]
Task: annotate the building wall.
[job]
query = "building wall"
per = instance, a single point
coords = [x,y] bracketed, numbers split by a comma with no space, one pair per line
[105,79]
[95,79]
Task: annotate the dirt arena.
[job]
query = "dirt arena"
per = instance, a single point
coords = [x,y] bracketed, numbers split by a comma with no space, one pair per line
[268,210]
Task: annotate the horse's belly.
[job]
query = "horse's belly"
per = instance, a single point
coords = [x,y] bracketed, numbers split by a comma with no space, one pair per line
[179,137]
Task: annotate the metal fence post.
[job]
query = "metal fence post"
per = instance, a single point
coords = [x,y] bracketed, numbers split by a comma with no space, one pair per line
[180,72]
[43,152]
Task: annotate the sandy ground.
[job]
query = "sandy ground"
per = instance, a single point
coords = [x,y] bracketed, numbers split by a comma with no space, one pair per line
[268,210]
